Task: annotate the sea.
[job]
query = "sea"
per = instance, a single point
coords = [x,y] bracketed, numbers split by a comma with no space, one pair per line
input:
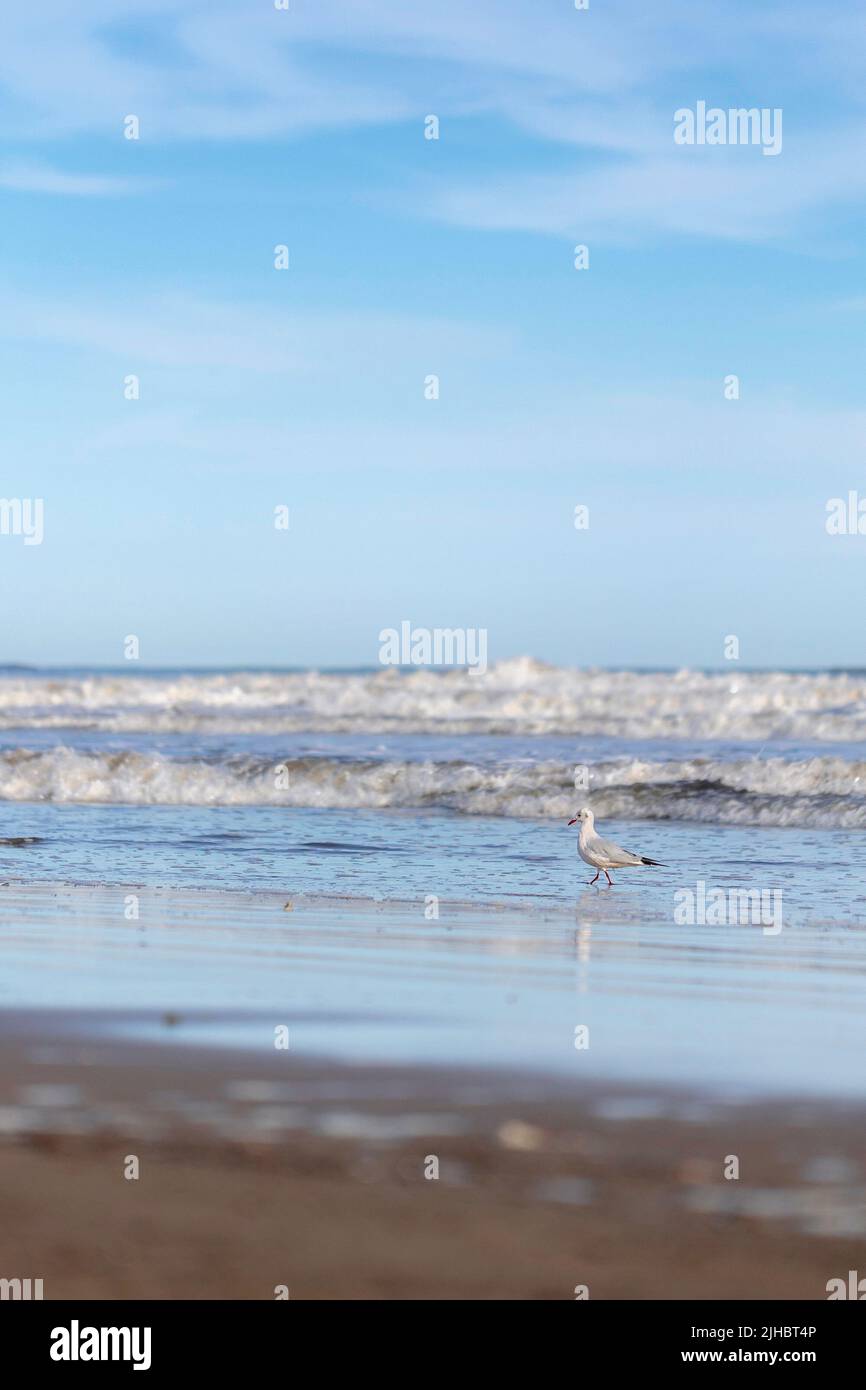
[441,799]
[222,777]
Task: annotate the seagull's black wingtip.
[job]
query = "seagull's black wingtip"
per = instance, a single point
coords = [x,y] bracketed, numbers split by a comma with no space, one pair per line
[655,863]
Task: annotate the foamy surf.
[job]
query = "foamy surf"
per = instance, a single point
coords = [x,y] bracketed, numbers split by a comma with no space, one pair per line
[514,697]
[819,791]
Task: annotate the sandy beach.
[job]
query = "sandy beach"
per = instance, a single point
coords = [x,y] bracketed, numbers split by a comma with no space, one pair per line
[252,1177]
[261,1167]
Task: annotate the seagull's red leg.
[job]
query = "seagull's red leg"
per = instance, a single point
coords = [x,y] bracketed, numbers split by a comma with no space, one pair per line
[592,880]
[608,877]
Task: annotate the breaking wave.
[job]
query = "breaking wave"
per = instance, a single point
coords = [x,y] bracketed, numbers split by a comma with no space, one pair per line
[514,697]
[820,791]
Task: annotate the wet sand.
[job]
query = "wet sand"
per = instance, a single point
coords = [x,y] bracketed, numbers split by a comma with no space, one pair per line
[268,1171]
[430,1131]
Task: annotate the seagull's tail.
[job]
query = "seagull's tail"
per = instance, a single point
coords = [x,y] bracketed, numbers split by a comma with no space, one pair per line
[655,863]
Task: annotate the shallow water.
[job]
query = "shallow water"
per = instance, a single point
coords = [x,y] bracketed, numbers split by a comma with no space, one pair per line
[409,855]
[729,1008]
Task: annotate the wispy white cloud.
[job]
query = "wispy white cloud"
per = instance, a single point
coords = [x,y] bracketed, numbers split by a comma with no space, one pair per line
[194,69]
[728,193]
[602,81]
[42,178]
[663,445]
[182,331]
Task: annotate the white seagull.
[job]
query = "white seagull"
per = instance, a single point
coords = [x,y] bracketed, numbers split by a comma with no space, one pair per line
[600,854]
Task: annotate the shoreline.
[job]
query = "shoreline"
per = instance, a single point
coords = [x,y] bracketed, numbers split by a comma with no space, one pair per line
[489,986]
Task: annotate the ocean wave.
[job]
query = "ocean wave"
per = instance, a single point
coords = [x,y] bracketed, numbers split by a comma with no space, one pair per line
[820,791]
[514,697]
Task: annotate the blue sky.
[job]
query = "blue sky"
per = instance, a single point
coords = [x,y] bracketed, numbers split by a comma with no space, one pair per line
[410,257]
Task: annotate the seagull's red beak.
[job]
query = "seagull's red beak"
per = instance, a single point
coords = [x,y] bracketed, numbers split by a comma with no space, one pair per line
[573,821]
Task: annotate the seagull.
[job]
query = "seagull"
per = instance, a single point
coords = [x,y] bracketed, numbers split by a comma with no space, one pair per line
[601,854]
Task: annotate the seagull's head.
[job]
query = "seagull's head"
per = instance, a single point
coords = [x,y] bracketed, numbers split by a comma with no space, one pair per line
[583,817]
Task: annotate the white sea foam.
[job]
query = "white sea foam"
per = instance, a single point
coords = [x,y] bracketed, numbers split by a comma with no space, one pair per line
[820,791]
[513,697]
